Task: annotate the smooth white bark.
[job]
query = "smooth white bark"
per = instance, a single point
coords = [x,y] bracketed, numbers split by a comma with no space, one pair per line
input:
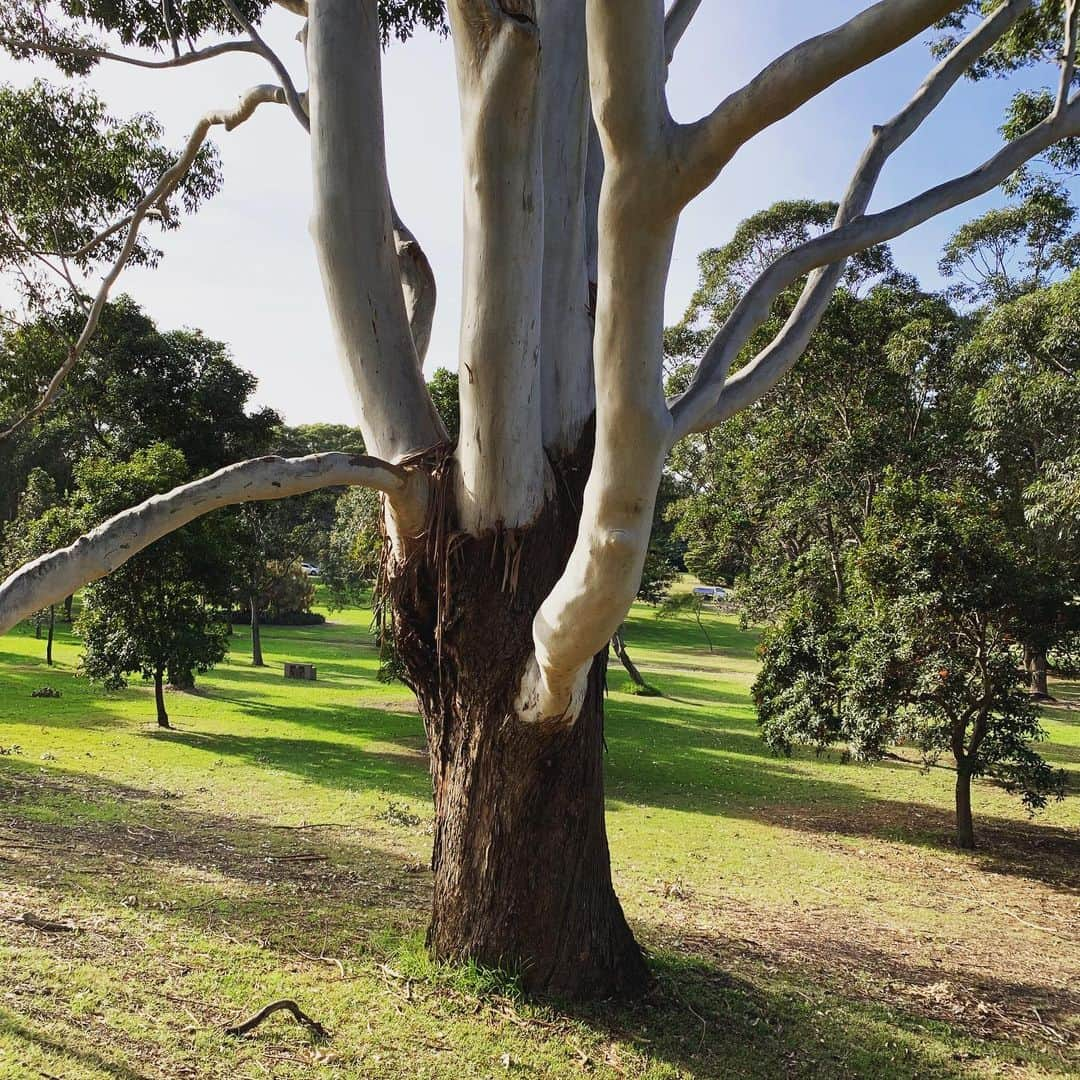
[352,224]
[568,395]
[627,70]
[782,353]
[51,578]
[501,464]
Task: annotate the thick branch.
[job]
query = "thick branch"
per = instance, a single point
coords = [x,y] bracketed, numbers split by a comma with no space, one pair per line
[567,391]
[790,81]
[500,451]
[353,228]
[153,200]
[52,577]
[676,22]
[596,589]
[418,286]
[749,383]
[789,345]
[1068,56]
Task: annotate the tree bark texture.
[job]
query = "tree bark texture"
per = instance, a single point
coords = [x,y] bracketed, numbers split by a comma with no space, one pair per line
[256,635]
[159,699]
[522,871]
[965,828]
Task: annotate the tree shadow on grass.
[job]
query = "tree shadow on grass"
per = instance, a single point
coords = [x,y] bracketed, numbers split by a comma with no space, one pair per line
[321,761]
[723,1006]
[739,1010]
[69,1045]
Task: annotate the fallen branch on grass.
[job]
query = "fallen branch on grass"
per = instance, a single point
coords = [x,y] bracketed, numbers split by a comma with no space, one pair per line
[299,1015]
[27,918]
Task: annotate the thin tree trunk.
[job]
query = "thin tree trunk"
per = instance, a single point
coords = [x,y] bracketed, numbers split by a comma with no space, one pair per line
[159,698]
[1037,665]
[618,645]
[256,636]
[965,829]
[522,870]
[68,601]
[52,628]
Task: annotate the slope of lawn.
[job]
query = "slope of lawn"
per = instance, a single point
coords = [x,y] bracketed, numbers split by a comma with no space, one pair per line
[805,917]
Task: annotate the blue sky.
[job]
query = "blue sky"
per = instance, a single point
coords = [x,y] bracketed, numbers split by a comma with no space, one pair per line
[243,269]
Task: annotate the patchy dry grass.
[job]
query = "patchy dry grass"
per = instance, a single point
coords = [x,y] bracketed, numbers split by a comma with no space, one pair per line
[805,917]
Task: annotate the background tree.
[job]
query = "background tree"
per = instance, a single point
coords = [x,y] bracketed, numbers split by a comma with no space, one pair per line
[1015,249]
[40,525]
[160,614]
[516,554]
[1026,425]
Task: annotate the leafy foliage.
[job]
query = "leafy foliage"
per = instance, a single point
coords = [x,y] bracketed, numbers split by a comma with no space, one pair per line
[68,171]
[163,610]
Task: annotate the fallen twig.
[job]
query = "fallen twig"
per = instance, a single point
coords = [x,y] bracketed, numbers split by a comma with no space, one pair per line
[299,1015]
[28,918]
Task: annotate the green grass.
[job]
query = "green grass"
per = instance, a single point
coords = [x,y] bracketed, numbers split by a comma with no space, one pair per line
[804,917]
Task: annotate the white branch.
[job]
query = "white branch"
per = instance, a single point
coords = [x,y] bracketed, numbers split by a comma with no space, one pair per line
[1068,56]
[627,70]
[567,392]
[153,200]
[676,21]
[500,455]
[292,98]
[418,286]
[52,577]
[353,228]
[703,148]
[699,407]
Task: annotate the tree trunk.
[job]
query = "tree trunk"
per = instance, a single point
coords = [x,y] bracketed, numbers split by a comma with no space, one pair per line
[256,637]
[618,645]
[181,678]
[965,829]
[1037,664]
[68,601]
[52,628]
[159,698]
[522,871]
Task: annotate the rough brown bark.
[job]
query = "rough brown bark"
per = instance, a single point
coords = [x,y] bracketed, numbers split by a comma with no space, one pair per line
[159,698]
[522,870]
[965,828]
[256,636]
[1037,665]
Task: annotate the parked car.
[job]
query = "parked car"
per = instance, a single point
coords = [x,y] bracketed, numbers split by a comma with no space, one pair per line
[310,569]
[712,594]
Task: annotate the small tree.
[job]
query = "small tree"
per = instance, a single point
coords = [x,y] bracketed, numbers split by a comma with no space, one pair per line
[161,612]
[923,650]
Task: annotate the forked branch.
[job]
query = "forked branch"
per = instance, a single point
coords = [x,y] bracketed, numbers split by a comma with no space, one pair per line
[773,362]
[790,81]
[51,578]
[153,201]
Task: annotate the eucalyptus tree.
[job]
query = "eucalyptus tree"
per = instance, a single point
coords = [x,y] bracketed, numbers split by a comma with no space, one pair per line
[516,553]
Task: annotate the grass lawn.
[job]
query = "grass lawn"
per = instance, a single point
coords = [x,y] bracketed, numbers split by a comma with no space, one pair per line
[804,917]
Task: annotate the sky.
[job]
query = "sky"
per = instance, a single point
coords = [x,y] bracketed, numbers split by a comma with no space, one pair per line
[243,269]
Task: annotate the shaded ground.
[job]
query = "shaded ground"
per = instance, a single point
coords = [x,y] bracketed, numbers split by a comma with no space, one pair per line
[805,917]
